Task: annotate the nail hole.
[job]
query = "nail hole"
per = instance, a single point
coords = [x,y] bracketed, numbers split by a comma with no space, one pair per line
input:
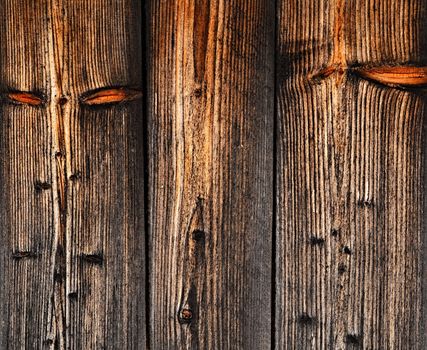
[365,203]
[335,232]
[48,342]
[96,259]
[185,316]
[40,186]
[305,319]
[76,176]
[353,339]
[342,268]
[72,295]
[198,92]
[58,276]
[316,240]
[198,235]
[62,101]
[346,250]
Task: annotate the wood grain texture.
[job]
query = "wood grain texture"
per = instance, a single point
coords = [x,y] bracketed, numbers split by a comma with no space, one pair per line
[350,175]
[210,142]
[72,222]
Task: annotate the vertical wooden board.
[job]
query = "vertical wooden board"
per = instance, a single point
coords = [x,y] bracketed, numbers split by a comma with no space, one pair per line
[72,175]
[350,178]
[105,223]
[27,240]
[210,142]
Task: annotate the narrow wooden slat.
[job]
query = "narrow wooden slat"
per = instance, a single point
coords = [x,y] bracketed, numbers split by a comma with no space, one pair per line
[72,232]
[350,174]
[210,141]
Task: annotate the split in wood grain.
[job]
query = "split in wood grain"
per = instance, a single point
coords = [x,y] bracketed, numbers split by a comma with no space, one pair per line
[326,72]
[404,76]
[193,274]
[393,76]
[110,95]
[27,98]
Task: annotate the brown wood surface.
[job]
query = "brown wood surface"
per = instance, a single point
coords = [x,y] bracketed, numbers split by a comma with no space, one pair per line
[210,143]
[350,174]
[72,220]
[212,174]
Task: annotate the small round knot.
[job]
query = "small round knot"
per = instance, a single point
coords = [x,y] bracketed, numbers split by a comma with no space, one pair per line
[185,316]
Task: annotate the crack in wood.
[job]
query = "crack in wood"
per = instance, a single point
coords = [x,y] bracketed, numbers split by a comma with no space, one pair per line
[27,98]
[397,76]
[110,95]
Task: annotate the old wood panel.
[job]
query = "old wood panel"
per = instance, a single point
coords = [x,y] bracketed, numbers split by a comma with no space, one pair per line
[72,221]
[210,142]
[350,174]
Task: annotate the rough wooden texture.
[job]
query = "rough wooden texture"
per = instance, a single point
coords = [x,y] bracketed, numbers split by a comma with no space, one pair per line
[350,174]
[210,141]
[72,221]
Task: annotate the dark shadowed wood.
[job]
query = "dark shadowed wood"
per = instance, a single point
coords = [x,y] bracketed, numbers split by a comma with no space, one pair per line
[210,140]
[350,173]
[72,221]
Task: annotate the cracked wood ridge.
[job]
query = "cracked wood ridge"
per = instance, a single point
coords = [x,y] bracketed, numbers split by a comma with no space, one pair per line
[351,107]
[72,216]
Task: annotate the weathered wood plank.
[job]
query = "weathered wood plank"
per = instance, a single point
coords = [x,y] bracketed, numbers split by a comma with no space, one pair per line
[350,174]
[72,232]
[210,141]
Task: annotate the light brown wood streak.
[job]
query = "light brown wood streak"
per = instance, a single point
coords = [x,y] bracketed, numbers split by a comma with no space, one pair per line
[210,90]
[72,233]
[350,173]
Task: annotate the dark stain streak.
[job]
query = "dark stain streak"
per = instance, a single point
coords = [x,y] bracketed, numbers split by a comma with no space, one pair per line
[58,276]
[96,259]
[87,168]
[200,37]
[19,255]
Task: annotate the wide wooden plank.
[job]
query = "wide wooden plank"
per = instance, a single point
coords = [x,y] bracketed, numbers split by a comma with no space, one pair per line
[210,142]
[72,235]
[350,174]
